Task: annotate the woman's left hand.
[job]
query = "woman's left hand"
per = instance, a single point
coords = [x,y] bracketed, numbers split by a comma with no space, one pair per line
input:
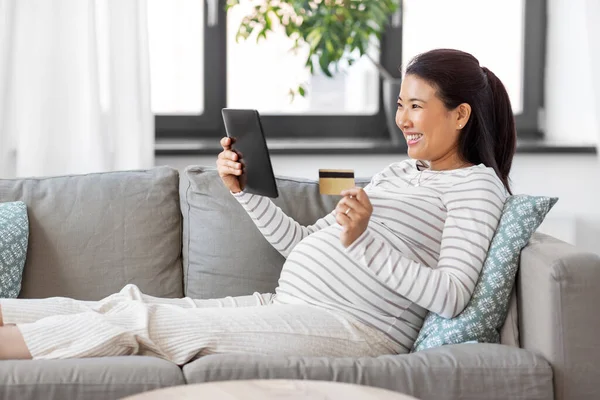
[353,213]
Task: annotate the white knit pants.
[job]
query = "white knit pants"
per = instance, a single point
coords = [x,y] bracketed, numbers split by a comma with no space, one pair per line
[180,330]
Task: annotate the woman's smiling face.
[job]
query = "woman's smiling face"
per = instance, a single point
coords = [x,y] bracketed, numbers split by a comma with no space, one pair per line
[430,129]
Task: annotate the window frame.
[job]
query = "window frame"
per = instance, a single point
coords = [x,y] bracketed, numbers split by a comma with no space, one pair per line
[528,122]
[292,126]
[209,123]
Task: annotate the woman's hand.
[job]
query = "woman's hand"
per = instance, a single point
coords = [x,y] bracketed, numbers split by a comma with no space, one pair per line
[353,213]
[229,166]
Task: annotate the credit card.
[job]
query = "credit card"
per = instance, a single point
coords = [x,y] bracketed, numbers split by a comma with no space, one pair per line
[333,181]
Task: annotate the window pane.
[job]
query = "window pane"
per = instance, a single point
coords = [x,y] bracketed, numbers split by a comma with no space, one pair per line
[176,36]
[259,75]
[478,27]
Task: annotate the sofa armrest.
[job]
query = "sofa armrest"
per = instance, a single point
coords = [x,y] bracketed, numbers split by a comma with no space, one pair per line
[558,290]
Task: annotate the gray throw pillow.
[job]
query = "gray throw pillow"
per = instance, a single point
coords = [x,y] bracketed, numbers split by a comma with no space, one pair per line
[14,237]
[224,254]
[91,234]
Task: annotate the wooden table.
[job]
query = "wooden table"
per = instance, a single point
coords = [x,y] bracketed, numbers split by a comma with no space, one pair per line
[271,389]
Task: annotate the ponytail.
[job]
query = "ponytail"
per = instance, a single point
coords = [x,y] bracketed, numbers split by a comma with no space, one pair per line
[504,127]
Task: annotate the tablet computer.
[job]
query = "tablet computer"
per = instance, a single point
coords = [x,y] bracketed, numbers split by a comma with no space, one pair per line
[249,142]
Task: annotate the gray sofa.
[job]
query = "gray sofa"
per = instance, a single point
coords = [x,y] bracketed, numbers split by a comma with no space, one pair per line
[182,235]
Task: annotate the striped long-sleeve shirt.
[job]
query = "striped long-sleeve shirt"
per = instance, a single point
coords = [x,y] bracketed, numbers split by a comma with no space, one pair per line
[423,250]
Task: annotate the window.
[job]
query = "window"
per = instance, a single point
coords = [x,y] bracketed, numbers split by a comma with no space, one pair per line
[187,66]
[198,68]
[272,68]
[177,74]
[506,36]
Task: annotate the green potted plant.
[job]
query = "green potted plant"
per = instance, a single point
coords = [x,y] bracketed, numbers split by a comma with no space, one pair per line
[336,32]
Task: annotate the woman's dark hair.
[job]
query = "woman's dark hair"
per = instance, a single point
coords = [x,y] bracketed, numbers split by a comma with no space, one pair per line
[489,137]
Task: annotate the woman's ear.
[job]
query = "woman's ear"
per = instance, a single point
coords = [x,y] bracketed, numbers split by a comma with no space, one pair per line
[463,115]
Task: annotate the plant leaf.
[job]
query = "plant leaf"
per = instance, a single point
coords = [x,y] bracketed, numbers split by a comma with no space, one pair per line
[324,64]
[334,31]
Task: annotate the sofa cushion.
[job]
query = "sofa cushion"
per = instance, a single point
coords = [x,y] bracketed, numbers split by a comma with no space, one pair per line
[224,254]
[463,371]
[87,378]
[90,235]
[14,236]
[485,313]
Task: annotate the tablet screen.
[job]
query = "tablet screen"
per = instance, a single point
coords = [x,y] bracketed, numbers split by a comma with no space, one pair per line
[249,142]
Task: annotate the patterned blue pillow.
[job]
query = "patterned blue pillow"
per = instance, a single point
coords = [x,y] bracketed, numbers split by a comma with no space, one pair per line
[14,238]
[482,318]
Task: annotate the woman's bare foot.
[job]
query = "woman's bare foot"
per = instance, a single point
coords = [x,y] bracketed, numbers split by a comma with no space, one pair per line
[12,344]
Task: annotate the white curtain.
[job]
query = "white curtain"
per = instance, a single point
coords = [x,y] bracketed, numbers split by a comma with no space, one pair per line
[74,87]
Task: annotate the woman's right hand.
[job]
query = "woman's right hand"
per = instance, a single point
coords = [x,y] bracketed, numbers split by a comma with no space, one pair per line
[229,166]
